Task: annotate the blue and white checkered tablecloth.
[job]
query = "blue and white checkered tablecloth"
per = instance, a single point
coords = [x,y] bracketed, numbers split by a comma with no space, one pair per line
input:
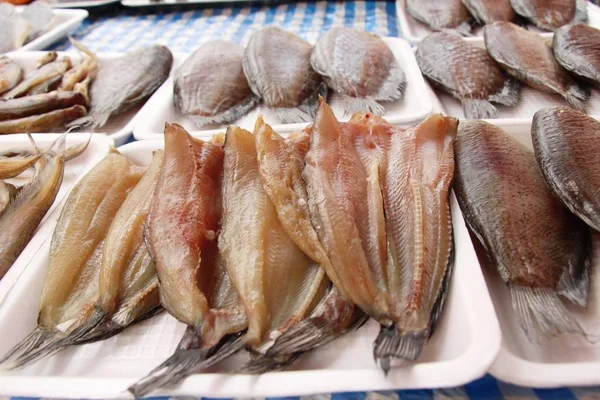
[183,28]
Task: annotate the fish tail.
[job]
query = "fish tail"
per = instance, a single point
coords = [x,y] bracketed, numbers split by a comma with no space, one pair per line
[393,86]
[391,343]
[305,112]
[509,94]
[35,339]
[265,363]
[575,97]
[361,104]
[185,362]
[540,310]
[478,109]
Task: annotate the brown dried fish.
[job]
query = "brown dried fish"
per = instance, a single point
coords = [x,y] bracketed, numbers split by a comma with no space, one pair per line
[11,167]
[551,14]
[46,122]
[7,193]
[39,104]
[488,11]
[11,74]
[440,15]
[577,49]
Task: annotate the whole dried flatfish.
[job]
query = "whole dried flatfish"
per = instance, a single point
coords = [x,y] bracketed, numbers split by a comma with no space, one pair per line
[565,144]
[488,11]
[22,216]
[539,248]
[466,72]
[440,15]
[277,66]
[46,122]
[14,29]
[7,193]
[577,49]
[124,82]
[38,76]
[11,74]
[526,56]
[551,14]
[70,292]
[40,16]
[210,86]
[363,81]
[39,104]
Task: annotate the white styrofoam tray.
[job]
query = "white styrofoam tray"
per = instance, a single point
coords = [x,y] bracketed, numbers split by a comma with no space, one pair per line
[74,170]
[462,349]
[414,105]
[66,21]
[414,31]
[80,3]
[144,3]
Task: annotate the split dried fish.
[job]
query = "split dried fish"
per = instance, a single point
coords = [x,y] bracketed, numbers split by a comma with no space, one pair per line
[526,56]
[363,80]
[124,82]
[571,172]
[210,87]
[46,122]
[466,72]
[277,66]
[11,74]
[14,29]
[440,15]
[539,248]
[39,104]
[38,76]
[577,49]
[7,193]
[40,16]
[551,14]
[488,11]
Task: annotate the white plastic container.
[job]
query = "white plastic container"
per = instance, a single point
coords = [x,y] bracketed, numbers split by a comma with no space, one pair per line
[414,105]
[462,349]
[414,31]
[66,22]
[74,170]
[80,3]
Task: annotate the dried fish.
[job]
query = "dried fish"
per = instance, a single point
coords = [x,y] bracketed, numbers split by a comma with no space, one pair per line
[11,74]
[210,87]
[526,56]
[539,248]
[39,104]
[14,29]
[551,14]
[11,167]
[466,72]
[46,59]
[577,49]
[38,76]
[124,82]
[7,193]
[571,173]
[46,122]
[488,11]
[441,15]
[88,68]
[363,81]
[277,65]
[46,86]
[40,16]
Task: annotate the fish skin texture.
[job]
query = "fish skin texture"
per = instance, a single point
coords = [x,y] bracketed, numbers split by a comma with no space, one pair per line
[440,15]
[488,11]
[466,72]
[551,14]
[39,104]
[11,74]
[47,122]
[577,49]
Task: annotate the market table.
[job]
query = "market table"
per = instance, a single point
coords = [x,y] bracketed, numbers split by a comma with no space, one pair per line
[181,28]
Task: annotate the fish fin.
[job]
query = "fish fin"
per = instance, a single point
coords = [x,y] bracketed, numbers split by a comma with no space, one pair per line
[393,87]
[361,105]
[539,310]
[264,363]
[478,109]
[36,338]
[391,343]
[509,95]
[575,97]
[305,112]
[465,29]
[36,149]
[438,306]
[581,14]
[186,362]
[304,336]
[228,116]
[575,281]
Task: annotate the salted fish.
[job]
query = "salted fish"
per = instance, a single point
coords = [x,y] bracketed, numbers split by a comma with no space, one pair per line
[183,230]
[577,49]
[372,188]
[539,248]
[441,15]
[488,11]
[40,16]
[210,86]
[39,104]
[11,167]
[14,28]
[526,56]
[39,76]
[7,193]
[70,292]
[124,82]
[551,14]
[466,72]
[11,74]
[47,122]
[277,66]
[363,80]
[565,147]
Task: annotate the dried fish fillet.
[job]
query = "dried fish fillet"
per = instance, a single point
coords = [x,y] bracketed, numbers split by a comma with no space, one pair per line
[11,74]
[488,11]
[526,56]
[363,81]
[577,49]
[572,172]
[7,193]
[210,86]
[539,248]
[39,104]
[70,292]
[40,16]
[466,72]
[14,29]
[46,122]
[441,15]
[38,76]
[277,66]
[551,14]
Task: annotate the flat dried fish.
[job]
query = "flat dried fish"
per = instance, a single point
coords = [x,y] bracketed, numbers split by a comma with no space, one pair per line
[360,66]
[124,82]
[40,16]
[46,122]
[539,248]
[39,104]
[38,76]
[440,15]
[572,172]
[277,66]
[11,74]
[466,72]
[577,49]
[551,14]
[526,56]
[14,29]
[488,11]
[210,86]
[7,193]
